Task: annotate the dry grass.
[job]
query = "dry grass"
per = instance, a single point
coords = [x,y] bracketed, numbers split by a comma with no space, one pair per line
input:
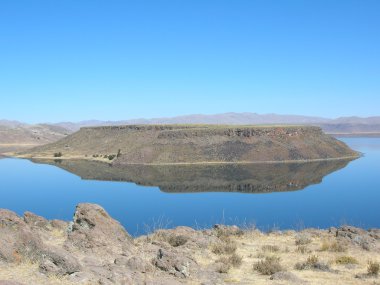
[27,273]
[224,247]
[270,248]
[302,239]
[333,246]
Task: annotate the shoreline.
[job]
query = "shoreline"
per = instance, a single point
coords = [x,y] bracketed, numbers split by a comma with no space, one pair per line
[96,249]
[105,160]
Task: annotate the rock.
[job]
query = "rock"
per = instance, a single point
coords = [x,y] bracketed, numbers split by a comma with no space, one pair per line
[94,230]
[60,225]
[134,263]
[286,276]
[17,239]
[363,238]
[223,230]
[36,221]
[174,263]
[60,262]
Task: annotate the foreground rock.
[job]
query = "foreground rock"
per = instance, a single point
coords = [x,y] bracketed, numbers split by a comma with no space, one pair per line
[96,249]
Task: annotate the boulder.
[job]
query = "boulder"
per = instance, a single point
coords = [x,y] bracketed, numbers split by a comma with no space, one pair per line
[60,262]
[174,263]
[94,230]
[17,239]
[286,276]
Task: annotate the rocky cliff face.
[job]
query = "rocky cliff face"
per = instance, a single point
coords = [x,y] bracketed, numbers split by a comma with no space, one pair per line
[166,144]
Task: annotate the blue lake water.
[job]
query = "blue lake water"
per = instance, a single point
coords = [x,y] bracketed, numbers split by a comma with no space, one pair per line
[296,196]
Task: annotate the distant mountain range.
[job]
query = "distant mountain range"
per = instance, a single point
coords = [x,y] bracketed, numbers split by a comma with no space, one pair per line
[343,125]
[18,133]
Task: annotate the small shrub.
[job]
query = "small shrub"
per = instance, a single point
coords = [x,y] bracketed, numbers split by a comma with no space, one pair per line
[270,248]
[346,260]
[302,239]
[58,154]
[177,240]
[373,268]
[226,247]
[270,265]
[312,262]
[234,260]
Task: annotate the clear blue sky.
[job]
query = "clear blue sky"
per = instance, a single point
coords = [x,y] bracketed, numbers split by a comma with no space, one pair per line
[87,59]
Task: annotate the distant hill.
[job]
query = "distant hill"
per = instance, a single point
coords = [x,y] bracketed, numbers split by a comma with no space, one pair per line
[341,126]
[16,136]
[171,144]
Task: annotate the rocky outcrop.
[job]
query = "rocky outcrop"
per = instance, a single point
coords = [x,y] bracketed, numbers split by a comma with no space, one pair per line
[96,249]
[173,144]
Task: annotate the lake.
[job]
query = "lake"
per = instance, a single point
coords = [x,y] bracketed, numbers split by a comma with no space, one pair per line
[281,196]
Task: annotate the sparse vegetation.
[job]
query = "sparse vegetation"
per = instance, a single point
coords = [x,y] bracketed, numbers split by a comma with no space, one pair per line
[373,268]
[333,246]
[303,249]
[58,154]
[268,266]
[302,239]
[270,248]
[345,259]
[177,240]
[111,156]
[224,247]
[234,260]
[313,263]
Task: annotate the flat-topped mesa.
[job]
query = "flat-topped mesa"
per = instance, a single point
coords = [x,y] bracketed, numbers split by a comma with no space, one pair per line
[168,144]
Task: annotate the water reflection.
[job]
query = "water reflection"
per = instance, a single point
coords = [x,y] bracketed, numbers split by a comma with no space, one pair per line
[241,178]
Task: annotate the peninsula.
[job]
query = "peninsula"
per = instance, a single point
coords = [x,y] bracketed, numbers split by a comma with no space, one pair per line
[195,144]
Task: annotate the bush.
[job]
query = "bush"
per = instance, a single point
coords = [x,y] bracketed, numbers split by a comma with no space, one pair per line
[58,154]
[234,260]
[226,247]
[111,156]
[373,268]
[346,260]
[177,240]
[270,265]
[313,263]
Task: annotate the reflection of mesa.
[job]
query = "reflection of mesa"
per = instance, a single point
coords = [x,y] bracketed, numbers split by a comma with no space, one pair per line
[242,178]
[168,144]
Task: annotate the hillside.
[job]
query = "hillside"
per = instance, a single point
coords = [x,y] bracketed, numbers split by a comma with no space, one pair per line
[16,136]
[167,144]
